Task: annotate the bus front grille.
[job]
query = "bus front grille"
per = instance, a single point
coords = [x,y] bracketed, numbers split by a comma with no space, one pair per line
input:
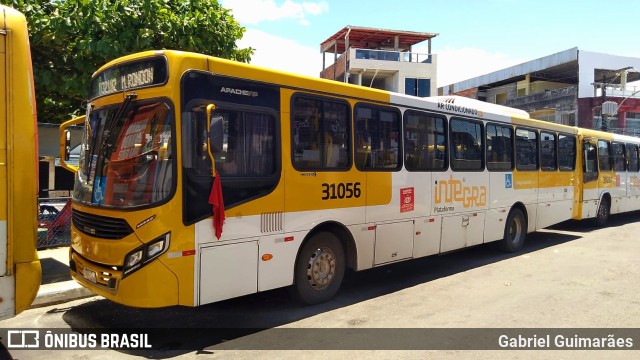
[101,226]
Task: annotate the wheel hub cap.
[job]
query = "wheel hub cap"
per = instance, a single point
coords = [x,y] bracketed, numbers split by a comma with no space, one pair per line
[321,269]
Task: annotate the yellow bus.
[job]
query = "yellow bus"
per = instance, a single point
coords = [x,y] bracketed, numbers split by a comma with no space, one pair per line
[610,182]
[202,179]
[20,272]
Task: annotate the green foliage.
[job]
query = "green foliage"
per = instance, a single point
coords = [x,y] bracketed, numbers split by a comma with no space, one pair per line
[70,39]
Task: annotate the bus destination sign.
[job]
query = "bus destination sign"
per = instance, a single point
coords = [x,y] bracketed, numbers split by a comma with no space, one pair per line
[129,76]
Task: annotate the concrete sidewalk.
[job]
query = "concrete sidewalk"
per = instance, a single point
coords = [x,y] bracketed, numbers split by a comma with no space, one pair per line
[57,286]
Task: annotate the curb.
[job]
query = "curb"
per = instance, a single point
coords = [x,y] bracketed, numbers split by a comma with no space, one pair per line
[60,292]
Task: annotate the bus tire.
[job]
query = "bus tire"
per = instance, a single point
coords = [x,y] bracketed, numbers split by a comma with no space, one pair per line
[319,269]
[515,231]
[604,209]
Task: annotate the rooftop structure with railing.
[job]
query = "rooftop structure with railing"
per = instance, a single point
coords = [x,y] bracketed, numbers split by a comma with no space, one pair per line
[381,59]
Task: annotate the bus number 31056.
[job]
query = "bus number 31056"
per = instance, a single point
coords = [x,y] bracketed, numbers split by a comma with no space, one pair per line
[341,191]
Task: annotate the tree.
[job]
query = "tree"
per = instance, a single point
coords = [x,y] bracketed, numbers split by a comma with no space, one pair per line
[70,39]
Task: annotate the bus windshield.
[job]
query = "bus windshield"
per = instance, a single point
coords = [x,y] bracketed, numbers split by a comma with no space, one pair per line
[126,157]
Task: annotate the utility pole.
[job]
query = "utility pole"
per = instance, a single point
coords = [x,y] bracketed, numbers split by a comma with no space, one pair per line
[603,124]
[608,107]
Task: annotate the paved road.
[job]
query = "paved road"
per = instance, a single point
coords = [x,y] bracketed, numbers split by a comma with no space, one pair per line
[570,276]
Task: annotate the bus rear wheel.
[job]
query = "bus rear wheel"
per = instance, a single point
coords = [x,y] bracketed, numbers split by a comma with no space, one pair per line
[602,216]
[319,269]
[515,231]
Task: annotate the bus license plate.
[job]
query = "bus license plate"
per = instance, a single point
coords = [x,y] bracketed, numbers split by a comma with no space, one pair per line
[89,275]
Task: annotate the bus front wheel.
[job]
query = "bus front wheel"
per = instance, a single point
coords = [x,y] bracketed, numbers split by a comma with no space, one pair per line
[319,269]
[515,231]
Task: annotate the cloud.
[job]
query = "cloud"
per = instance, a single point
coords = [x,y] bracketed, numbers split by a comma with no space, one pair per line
[277,53]
[256,11]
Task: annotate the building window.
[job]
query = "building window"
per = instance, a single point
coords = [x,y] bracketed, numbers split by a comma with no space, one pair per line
[568,119]
[417,87]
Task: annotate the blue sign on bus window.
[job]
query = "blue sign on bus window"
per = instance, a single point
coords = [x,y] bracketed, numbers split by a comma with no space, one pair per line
[508,181]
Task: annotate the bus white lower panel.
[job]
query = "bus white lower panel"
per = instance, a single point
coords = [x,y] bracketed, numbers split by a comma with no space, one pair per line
[532,217]
[589,208]
[427,239]
[365,240]
[617,204]
[462,230]
[278,271]
[393,242]
[633,203]
[228,271]
[3,247]
[551,213]
[7,289]
[494,224]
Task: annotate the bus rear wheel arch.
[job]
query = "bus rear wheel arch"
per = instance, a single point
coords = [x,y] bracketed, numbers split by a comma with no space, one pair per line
[319,269]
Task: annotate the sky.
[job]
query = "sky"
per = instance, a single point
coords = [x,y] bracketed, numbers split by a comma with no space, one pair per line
[475,37]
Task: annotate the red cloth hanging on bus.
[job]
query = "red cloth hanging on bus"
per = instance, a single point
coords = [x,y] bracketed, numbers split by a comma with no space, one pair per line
[215,199]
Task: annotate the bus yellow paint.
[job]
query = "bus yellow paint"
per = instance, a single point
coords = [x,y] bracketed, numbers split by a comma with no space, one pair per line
[20,269]
[293,182]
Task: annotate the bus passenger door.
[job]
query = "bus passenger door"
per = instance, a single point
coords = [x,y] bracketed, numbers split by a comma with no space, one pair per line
[590,191]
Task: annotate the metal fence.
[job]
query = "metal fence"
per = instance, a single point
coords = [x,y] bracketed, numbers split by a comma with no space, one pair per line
[54,222]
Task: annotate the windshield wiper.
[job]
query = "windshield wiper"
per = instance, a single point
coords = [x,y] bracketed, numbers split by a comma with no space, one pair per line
[111,123]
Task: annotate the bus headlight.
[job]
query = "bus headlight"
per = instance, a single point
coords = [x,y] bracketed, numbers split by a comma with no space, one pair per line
[156,248]
[133,259]
[145,254]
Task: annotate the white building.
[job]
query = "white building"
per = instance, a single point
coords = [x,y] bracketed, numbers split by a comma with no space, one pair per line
[381,59]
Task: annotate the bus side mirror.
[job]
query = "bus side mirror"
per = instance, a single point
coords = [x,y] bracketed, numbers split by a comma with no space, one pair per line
[215,130]
[65,142]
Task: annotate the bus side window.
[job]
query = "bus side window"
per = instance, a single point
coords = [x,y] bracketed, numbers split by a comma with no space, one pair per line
[499,148]
[425,141]
[321,131]
[632,158]
[590,165]
[526,149]
[619,161]
[377,138]
[466,145]
[605,156]
[566,152]
[548,159]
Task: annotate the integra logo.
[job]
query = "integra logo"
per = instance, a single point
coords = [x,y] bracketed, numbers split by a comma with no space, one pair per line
[228,90]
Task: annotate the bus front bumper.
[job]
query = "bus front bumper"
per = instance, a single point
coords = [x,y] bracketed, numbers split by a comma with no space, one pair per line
[150,287]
